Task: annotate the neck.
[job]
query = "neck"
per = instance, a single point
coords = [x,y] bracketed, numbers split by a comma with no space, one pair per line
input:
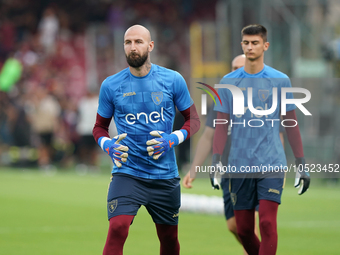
[142,70]
[254,66]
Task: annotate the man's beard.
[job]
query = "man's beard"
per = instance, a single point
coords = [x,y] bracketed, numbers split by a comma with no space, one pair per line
[135,60]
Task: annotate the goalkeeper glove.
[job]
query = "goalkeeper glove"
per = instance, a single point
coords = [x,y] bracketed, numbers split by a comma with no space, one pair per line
[216,171]
[302,177]
[164,142]
[116,151]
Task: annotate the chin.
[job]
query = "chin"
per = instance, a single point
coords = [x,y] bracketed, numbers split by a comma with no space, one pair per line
[252,58]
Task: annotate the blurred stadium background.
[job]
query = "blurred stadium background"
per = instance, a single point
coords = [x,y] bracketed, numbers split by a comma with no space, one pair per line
[54,56]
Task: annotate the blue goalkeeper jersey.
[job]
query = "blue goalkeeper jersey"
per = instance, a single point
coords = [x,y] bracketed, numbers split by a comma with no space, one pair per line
[140,105]
[255,140]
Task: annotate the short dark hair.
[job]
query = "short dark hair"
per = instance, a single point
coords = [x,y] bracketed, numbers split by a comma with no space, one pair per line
[255,29]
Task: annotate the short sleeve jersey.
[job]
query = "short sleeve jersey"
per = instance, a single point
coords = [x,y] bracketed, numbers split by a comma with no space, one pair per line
[255,140]
[140,105]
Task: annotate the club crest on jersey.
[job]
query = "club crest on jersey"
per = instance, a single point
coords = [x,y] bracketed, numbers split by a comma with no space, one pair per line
[157,97]
[112,205]
[263,94]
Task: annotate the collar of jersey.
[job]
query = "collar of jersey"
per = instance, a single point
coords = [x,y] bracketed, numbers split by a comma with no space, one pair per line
[138,77]
[255,75]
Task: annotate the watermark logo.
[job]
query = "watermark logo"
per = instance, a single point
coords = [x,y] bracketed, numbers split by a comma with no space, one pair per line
[204,97]
[238,99]
[258,102]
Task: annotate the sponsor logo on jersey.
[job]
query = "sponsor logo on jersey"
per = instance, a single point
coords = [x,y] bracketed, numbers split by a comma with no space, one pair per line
[157,97]
[175,215]
[112,205]
[143,117]
[129,94]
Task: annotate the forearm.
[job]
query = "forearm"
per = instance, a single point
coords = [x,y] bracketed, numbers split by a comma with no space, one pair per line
[101,131]
[191,121]
[101,127]
[221,134]
[293,134]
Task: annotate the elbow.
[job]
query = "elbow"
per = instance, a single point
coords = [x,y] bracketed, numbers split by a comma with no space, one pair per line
[195,121]
[95,132]
[195,125]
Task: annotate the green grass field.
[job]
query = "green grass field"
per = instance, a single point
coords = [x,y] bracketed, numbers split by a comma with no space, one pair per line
[65,214]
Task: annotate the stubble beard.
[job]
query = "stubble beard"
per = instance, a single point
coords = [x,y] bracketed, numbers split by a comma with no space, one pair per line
[254,58]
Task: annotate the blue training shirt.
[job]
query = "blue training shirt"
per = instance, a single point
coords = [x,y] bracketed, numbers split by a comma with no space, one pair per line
[255,149]
[140,105]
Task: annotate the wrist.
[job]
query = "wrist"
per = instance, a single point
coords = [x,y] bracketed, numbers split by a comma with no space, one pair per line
[216,158]
[179,136]
[104,142]
[300,161]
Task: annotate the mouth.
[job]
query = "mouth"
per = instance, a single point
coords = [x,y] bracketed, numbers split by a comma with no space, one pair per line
[133,54]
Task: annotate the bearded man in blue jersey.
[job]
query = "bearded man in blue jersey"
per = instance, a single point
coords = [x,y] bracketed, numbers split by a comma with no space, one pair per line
[257,157]
[142,100]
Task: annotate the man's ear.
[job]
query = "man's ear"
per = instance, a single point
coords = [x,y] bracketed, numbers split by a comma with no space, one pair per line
[266,46]
[151,46]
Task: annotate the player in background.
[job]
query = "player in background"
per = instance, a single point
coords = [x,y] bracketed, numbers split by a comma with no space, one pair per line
[257,146]
[142,100]
[204,146]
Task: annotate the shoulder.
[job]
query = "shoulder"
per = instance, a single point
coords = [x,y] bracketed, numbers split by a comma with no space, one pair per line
[273,73]
[235,74]
[233,77]
[165,72]
[111,81]
[170,79]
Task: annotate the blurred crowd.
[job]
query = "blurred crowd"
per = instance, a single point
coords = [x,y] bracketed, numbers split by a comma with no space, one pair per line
[47,108]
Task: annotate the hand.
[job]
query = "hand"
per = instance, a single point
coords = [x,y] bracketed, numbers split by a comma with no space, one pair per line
[162,144]
[302,178]
[216,172]
[188,179]
[116,151]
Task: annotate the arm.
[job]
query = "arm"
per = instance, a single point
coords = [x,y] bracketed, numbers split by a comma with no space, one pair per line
[221,134]
[220,140]
[302,178]
[203,148]
[293,134]
[191,120]
[101,127]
